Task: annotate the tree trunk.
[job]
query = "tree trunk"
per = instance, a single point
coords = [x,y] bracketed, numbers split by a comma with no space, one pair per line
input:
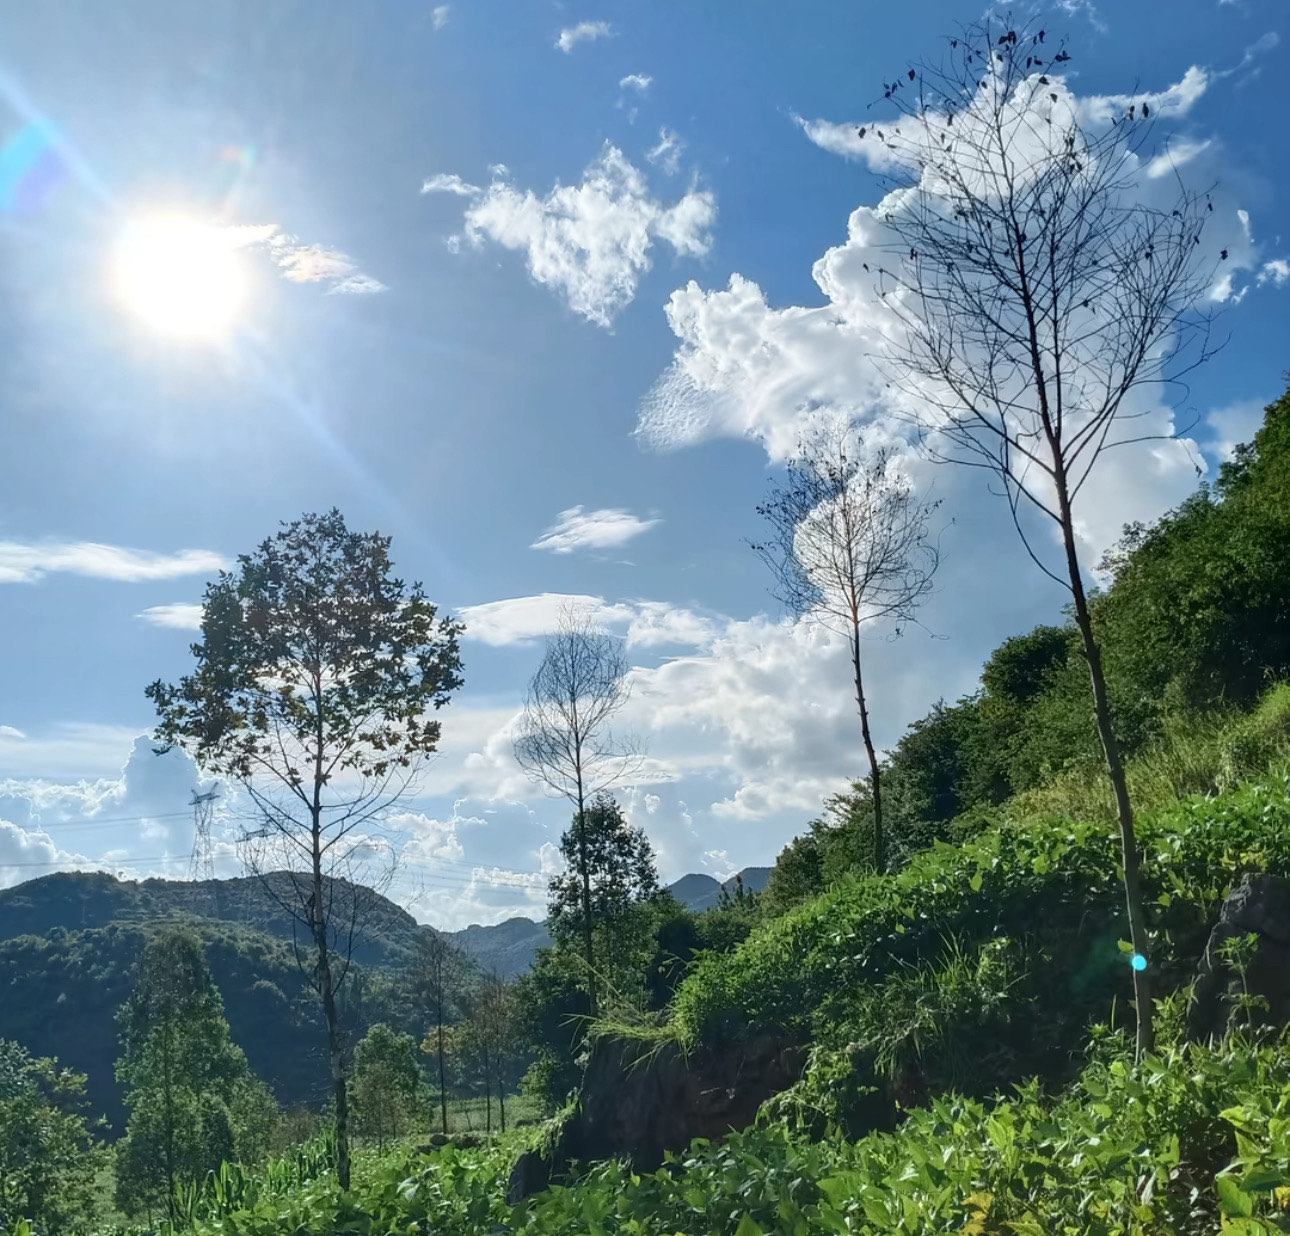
[879,858]
[168,1103]
[1129,856]
[335,1046]
[443,1085]
[584,862]
[501,1099]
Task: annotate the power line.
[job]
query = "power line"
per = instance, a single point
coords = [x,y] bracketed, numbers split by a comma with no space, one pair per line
[124,819]
[444,880]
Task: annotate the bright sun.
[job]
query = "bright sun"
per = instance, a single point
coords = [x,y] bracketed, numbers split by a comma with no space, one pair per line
[181,277]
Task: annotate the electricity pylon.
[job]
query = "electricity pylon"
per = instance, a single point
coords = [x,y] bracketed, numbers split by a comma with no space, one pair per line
[202,864]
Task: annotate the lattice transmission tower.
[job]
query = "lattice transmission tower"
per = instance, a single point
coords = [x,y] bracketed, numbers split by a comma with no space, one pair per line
[202,864]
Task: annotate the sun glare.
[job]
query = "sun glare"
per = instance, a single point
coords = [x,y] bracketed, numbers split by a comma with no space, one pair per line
[180,276]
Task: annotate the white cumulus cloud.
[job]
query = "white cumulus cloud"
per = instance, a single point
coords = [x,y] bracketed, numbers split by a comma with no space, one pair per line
[576,529]
[583,32]
[745,368]
[591,241]
[439,16]
[640,82]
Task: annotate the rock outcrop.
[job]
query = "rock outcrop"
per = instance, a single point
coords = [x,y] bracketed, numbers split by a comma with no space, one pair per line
[640,1100]
[1259,905]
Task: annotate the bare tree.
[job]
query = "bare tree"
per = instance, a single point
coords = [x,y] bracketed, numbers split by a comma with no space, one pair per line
[564,740]
[1037,288]
[849,548]
[315,674]
[437,973]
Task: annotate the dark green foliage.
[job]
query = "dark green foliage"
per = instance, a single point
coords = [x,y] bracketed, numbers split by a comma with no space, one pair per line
[1200,610]
[48,1153]
[387,1083]
[192,1099]
[1045,893]
[270,1006]
[1178,1144]
[82,900]
[620,873]
[1198,617]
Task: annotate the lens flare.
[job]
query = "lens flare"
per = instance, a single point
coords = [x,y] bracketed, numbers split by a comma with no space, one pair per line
[31,168]
[181,277]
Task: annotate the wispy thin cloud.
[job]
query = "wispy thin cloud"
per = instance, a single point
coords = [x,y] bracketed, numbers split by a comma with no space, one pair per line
[667,154]
[22,563]
[313,263]
[9,731]
[181,616]
[357,285]
[1175,156]
[583,32]
[445,183]
[576,529]
[1275,272]
[439,16]
[1175,100]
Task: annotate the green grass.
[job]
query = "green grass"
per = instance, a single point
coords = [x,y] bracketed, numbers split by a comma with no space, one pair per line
[1199,753]
[470,1115]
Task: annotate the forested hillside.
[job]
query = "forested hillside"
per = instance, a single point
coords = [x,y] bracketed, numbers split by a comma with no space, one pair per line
[76,901]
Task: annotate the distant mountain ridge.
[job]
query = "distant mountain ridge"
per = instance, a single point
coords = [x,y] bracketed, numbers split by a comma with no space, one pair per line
[69,942]
[510,948]
[86,900]
[90,900]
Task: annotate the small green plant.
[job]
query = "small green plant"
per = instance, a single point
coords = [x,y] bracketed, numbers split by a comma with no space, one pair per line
[1239,954]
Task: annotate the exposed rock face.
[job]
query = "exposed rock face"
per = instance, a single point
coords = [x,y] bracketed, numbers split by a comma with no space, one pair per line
[1260,904]
[639,1103]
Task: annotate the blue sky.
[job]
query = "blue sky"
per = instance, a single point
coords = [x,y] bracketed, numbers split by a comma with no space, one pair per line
[480,243]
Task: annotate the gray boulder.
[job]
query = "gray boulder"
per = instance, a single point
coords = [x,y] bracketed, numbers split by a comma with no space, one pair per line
[1260,904]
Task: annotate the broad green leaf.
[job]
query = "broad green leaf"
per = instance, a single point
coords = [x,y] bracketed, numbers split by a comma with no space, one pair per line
[1232,1201]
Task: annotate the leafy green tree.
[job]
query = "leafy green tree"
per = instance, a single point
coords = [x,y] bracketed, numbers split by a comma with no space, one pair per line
[386,1083]
[1200,610]
[184,1079]
[488,1042]
[316,676]
[436,974]
[609,871]
[552,1023]
[48,1153]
